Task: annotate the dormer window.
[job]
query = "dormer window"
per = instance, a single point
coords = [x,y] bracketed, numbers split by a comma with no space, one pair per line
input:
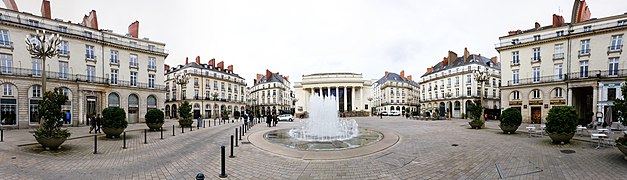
[587,28]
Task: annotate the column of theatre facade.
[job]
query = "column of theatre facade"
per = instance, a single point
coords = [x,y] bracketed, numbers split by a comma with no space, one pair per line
[395,92]
[212,90]
[350,90]
[94,68]
[449,88]
[271,94]
[578,64]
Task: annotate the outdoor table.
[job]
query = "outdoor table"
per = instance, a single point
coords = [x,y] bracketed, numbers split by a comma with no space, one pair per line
[599,136]
[530,129]
[581,129]
[603,130]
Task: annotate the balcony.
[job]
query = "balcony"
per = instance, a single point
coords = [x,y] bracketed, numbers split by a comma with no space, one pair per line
[558,56]
[543,79]
[535,59]
[90,57]
[584,52]
[133,65]
[63,53]
[600,74]
[613,49]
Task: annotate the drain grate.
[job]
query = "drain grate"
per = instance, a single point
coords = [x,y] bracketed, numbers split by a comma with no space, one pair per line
[567,151]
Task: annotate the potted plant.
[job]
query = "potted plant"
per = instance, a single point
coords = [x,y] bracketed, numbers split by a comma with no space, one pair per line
[185,112]
[475,114]
[50,134]
[510,120]
[154,119]
[113,121]
[621,109]
[236,114]
[561,123]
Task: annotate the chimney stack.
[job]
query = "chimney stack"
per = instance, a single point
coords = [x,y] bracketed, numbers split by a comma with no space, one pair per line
[386,74]
[91,20]
[198,60]
[186,60]
[466,54]
[452,56]
[259,76]
[230,68]
[580,12]
[409,78]
[45,9]
[212,62]
[403,74]
[537,25]
[221,65]
[558,20]
[429,69]
[494,60]
[166,67]
[10,4]
[287,78]
[133,30]
[268,74]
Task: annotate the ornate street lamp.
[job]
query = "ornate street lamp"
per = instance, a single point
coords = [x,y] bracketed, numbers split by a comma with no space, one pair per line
[481,76]
[42,46]
[182,79]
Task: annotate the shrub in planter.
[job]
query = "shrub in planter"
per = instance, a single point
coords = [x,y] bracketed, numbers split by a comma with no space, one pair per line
[225,115]
[561,123]
[50,134]
[113,121]
[475,114]
[154,119]
[185,114]
[510,120]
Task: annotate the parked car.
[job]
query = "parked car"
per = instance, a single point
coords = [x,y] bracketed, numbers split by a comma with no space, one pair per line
[286,117]
[384,113]
[395,113]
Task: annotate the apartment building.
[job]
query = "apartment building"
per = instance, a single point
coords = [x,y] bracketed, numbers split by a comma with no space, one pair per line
[577,64]
[271,94]
[210,88]
[95,68]
[395,92]
[450,88]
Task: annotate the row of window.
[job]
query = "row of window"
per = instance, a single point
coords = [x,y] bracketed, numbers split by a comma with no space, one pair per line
[469,80]
[616,44]
[558,71]
[456,70]
[457,93]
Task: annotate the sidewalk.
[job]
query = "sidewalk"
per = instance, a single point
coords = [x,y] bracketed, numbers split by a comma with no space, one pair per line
[21,137]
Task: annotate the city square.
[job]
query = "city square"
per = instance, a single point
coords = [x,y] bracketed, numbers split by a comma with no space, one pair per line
[282,89]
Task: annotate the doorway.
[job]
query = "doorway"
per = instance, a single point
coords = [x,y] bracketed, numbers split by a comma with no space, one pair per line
[536,115]
[91,106]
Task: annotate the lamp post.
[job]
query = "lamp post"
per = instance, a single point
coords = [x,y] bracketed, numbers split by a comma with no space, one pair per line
[370,104]
[481,76]
[182,79]
[42,46]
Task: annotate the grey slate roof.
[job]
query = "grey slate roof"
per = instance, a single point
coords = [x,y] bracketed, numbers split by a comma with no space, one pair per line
[273,78]
[200,66]
[395,77]
[459,62]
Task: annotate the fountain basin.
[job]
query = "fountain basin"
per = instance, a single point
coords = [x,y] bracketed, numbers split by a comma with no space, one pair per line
[284,138]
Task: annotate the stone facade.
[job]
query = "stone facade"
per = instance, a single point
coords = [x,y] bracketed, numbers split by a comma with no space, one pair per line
[271,93]
[335,84]
[395,92]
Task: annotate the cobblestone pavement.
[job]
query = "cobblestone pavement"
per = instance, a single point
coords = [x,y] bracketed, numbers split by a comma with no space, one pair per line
[425,151]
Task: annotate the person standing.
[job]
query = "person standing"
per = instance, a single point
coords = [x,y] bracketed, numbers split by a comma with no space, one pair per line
[98,122]
[269,120]
[275,119]
[91,122]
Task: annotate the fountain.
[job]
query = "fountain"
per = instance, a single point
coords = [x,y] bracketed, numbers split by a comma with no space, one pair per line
[323,124]
[324,130]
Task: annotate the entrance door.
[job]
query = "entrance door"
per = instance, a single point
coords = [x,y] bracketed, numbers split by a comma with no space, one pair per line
[133,108]
[536,115]
[91,106]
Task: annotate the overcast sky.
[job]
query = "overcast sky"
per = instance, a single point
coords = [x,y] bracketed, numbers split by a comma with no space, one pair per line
[297,37]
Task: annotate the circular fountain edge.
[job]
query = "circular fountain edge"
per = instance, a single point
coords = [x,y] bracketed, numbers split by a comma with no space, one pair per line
[389,139]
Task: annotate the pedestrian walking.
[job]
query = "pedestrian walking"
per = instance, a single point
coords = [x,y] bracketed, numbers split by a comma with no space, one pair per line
[269,120]
[275,119]
[91,122]
[98,122]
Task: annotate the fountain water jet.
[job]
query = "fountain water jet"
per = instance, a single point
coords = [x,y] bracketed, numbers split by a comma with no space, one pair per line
[323,124]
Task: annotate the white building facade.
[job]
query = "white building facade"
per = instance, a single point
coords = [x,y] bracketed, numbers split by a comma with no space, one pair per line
[577,64]
[395,92]
[351,90]
[94,68]
[271,94]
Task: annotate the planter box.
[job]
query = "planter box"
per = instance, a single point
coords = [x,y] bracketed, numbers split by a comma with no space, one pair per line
[113,132]
[52,143]
[509,129]
[561,137]
[475,125]
[154,126]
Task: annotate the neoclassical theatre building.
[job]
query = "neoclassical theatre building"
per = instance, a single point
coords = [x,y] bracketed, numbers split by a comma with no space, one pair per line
[95,68]
[449,87]
[272,94]
[351,90]
[210,89]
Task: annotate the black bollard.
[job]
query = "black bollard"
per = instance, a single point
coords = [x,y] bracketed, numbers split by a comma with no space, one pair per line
[161,132]
[219,122]
[223,161]
[95,144]
[173,130]
[145,137]
[190,128]
[241,132]
[200,176]
[1,135]
[203,123]
[124,140]
[236,134]
[182,129]
[232,156]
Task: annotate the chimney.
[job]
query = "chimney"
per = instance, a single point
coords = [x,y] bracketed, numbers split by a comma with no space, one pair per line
[212,62]
[466,54]
[514,32]
[494,60]
[287,78]
[259,76]
[386,74]
[91,20]
[444,61]
[221,65]
[429,69]
[581,12]
[452,56]
[403,74]
[186,60]
[10,4]
[409,78]
[557,20]
[230,68]
[537,25]
[45,9]
[166,67]
[268,74]
[198,60]
[133,30]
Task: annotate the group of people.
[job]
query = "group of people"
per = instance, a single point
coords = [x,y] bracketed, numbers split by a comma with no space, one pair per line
[272,120]
[94,120]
